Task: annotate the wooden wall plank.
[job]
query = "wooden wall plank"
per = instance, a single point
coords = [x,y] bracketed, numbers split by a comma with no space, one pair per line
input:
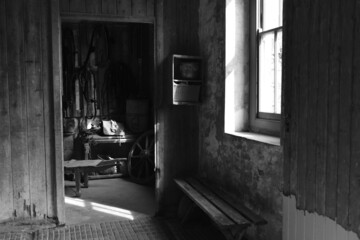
[138,8]
[294,78]
[93,6]
[124,8]
[322,121]
[346,12]
[65,5]
[57,131]
[48,121]
[6,184]
[286,96]
[108,6]
[77,6]
[312,86]
[35,114]
[186,25]
[331,160]
[150,9]
[354,203]
[17,87]
[333,112]
[302,104]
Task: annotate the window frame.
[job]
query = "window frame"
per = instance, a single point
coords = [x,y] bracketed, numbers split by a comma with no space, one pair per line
[259,122]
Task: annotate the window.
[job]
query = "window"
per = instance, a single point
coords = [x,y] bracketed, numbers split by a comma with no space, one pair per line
[253,69]
[266,66]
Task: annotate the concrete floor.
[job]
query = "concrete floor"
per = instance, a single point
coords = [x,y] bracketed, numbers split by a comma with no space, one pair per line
[109,200]
[114,209]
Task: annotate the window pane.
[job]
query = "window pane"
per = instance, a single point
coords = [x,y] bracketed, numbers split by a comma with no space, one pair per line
[272,14]
[278,77]
[267,73]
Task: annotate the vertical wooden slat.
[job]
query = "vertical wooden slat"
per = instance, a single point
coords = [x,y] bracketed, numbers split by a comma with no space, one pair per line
[354,204]
[124,8]
[150,8]
[312,86]
[302,103]
[346,13]
[160,56]
[185,26]
[65,6]
[6,195]
[77,6]
[108,6]
[35,120]
[321,109]
[57,131]
[17,88]
[93,6]
[294,78]
[286,94]
[138,8]
[333,111]
[48,121]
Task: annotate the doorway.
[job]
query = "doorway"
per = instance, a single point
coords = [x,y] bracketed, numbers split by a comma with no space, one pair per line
[108,116]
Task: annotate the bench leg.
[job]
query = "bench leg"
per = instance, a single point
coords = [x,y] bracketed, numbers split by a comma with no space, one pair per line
[186,206]
[235,233]
[77,183]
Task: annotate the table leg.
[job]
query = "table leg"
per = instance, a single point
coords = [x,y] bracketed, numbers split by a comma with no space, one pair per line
[77,183]
[86,180]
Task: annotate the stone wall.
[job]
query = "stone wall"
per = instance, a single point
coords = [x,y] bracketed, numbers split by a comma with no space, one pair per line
[250,171]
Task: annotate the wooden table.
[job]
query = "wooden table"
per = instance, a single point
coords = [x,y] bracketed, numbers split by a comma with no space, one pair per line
[84,167]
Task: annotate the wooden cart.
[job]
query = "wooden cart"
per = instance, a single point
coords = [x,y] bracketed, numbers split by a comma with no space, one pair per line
[140,160]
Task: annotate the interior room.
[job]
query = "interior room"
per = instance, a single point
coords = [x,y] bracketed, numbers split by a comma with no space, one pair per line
[248,111]
[107,71]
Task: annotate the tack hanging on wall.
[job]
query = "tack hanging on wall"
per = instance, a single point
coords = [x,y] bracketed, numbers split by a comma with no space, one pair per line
[187,79]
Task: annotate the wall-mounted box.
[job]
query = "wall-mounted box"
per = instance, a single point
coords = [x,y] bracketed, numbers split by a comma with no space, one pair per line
[187,79]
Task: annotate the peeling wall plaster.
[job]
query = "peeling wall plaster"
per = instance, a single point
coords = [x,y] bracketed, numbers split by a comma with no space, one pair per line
[248,170]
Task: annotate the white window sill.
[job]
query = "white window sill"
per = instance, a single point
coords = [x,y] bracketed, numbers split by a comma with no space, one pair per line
[257,137]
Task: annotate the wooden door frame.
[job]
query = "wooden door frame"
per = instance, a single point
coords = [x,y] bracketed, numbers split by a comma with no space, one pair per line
[58,169]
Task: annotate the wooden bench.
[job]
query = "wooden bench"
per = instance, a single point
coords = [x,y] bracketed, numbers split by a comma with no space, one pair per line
[230,218]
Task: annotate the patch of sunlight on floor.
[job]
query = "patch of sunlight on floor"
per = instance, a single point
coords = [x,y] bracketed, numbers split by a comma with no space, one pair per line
[100,208]
[75,202]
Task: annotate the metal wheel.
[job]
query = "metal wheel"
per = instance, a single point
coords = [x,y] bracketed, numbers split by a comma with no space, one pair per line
[141,162]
